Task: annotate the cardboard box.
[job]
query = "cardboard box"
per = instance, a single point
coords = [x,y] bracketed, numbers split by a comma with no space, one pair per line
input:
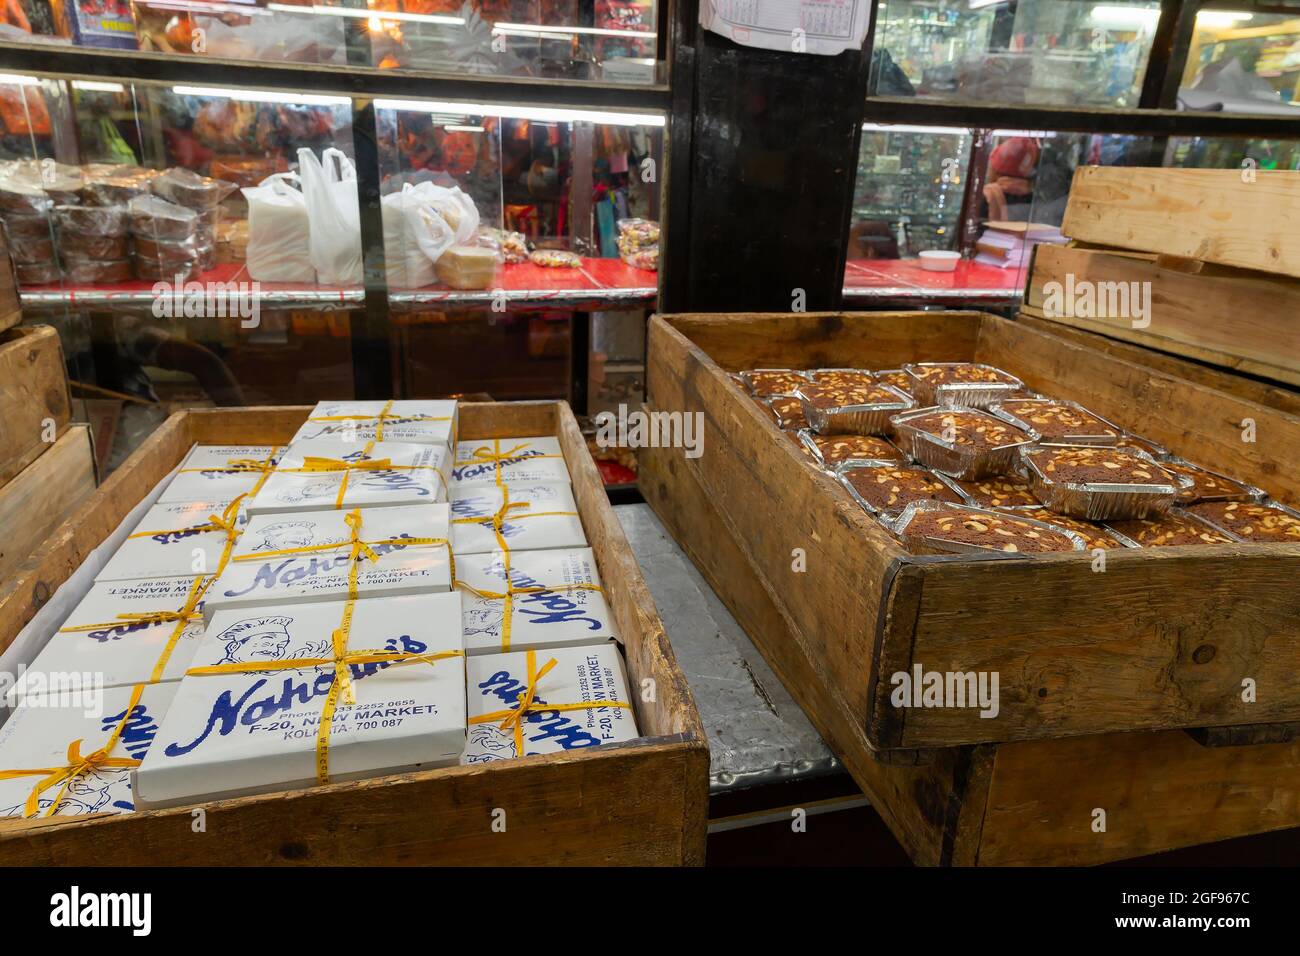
[509,461]
[267,567]
[312,472]
[539,516]
[553,599]
[234,733]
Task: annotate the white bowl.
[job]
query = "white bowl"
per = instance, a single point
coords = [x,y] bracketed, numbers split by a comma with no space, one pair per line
[934,260]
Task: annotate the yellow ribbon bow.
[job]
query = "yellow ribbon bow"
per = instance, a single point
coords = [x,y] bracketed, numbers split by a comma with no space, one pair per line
[189,611]
[496,457]
[316,463]
[77,765]
[341,658]
[265,465]
[512,718]
[227,522]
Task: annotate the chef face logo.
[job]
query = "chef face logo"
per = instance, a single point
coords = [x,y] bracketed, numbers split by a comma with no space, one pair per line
[485,619]
[256,639]
[489,744]
[86,793]
[309,491]
[285,535]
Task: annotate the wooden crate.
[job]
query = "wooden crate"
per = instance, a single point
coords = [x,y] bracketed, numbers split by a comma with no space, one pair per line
[1162,639]
[33,392]
[1244,321]
[10,304]
[640,802]
[1030,803]
[1211,215]
[37,501]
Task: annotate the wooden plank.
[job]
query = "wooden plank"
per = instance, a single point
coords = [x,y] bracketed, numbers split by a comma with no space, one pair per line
[34,398]
[1208,214]
[10,303]
[36,502]
[1159,791]
[1282,398]
[643,802]
[912,800]
[1238,320]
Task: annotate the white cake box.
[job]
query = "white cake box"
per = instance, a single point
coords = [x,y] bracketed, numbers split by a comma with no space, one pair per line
[421,422]
[509,460]
[554,600]
[36,737]
[267,569]
[237,733]
[231,456]
[173,538]
[581,675]
[540,516]
[418,476]
[220,472]
[119,651]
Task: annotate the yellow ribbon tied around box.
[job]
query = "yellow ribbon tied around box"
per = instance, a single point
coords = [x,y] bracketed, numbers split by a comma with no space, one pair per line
[386,413]
[494,456]
[315,463]
[78,764]
[340,658]
[263,465]
[512,718]
[498,520]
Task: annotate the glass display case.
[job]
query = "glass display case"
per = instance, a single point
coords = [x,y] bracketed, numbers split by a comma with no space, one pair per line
[223,245]
[1243,61]
[1034,52]
[611,41]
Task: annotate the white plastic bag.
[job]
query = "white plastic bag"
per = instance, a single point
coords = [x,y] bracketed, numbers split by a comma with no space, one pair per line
[329,188]
[421,223]
[279,235]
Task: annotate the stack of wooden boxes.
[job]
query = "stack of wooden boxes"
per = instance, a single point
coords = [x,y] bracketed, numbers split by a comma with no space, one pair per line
[1146,707]
[47,466]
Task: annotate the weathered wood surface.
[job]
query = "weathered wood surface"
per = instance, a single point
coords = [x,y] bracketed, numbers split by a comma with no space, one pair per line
[1212,215]
[34,399]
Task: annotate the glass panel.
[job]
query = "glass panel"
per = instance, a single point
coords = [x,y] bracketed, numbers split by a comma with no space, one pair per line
[1035,52]
[1207,152]
[1241,61]
[611,41]
[973,203]
[138,226]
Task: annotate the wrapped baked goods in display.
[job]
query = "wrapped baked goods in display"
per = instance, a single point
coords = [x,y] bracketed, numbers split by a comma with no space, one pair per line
[108,743]
[177,539]
[115,185]
[524,516]
[887,487]
[85,245]
[155,218]
[91,220]
[96,271]
[37,273]
[638,243]
[353,689]
[467,267]
[851,406]
[32,250]
[1057,422]
[528,600]
[1099,483]
[829,451]
[510,247]
[968,384]
[418,421]
[964,443]
[500,461]
[327,473]
[939,527]
[555,259]
[20,227]
[546,701]
[187,188]
[331,555]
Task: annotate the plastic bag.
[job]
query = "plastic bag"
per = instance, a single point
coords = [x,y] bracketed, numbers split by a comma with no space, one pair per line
[420,224]
[333,214]
[279,233]
[157,218]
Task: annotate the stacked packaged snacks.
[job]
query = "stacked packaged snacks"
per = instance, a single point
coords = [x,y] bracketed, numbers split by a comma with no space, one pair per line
[510,247]
[467,267]
[638,243]
[166,240]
